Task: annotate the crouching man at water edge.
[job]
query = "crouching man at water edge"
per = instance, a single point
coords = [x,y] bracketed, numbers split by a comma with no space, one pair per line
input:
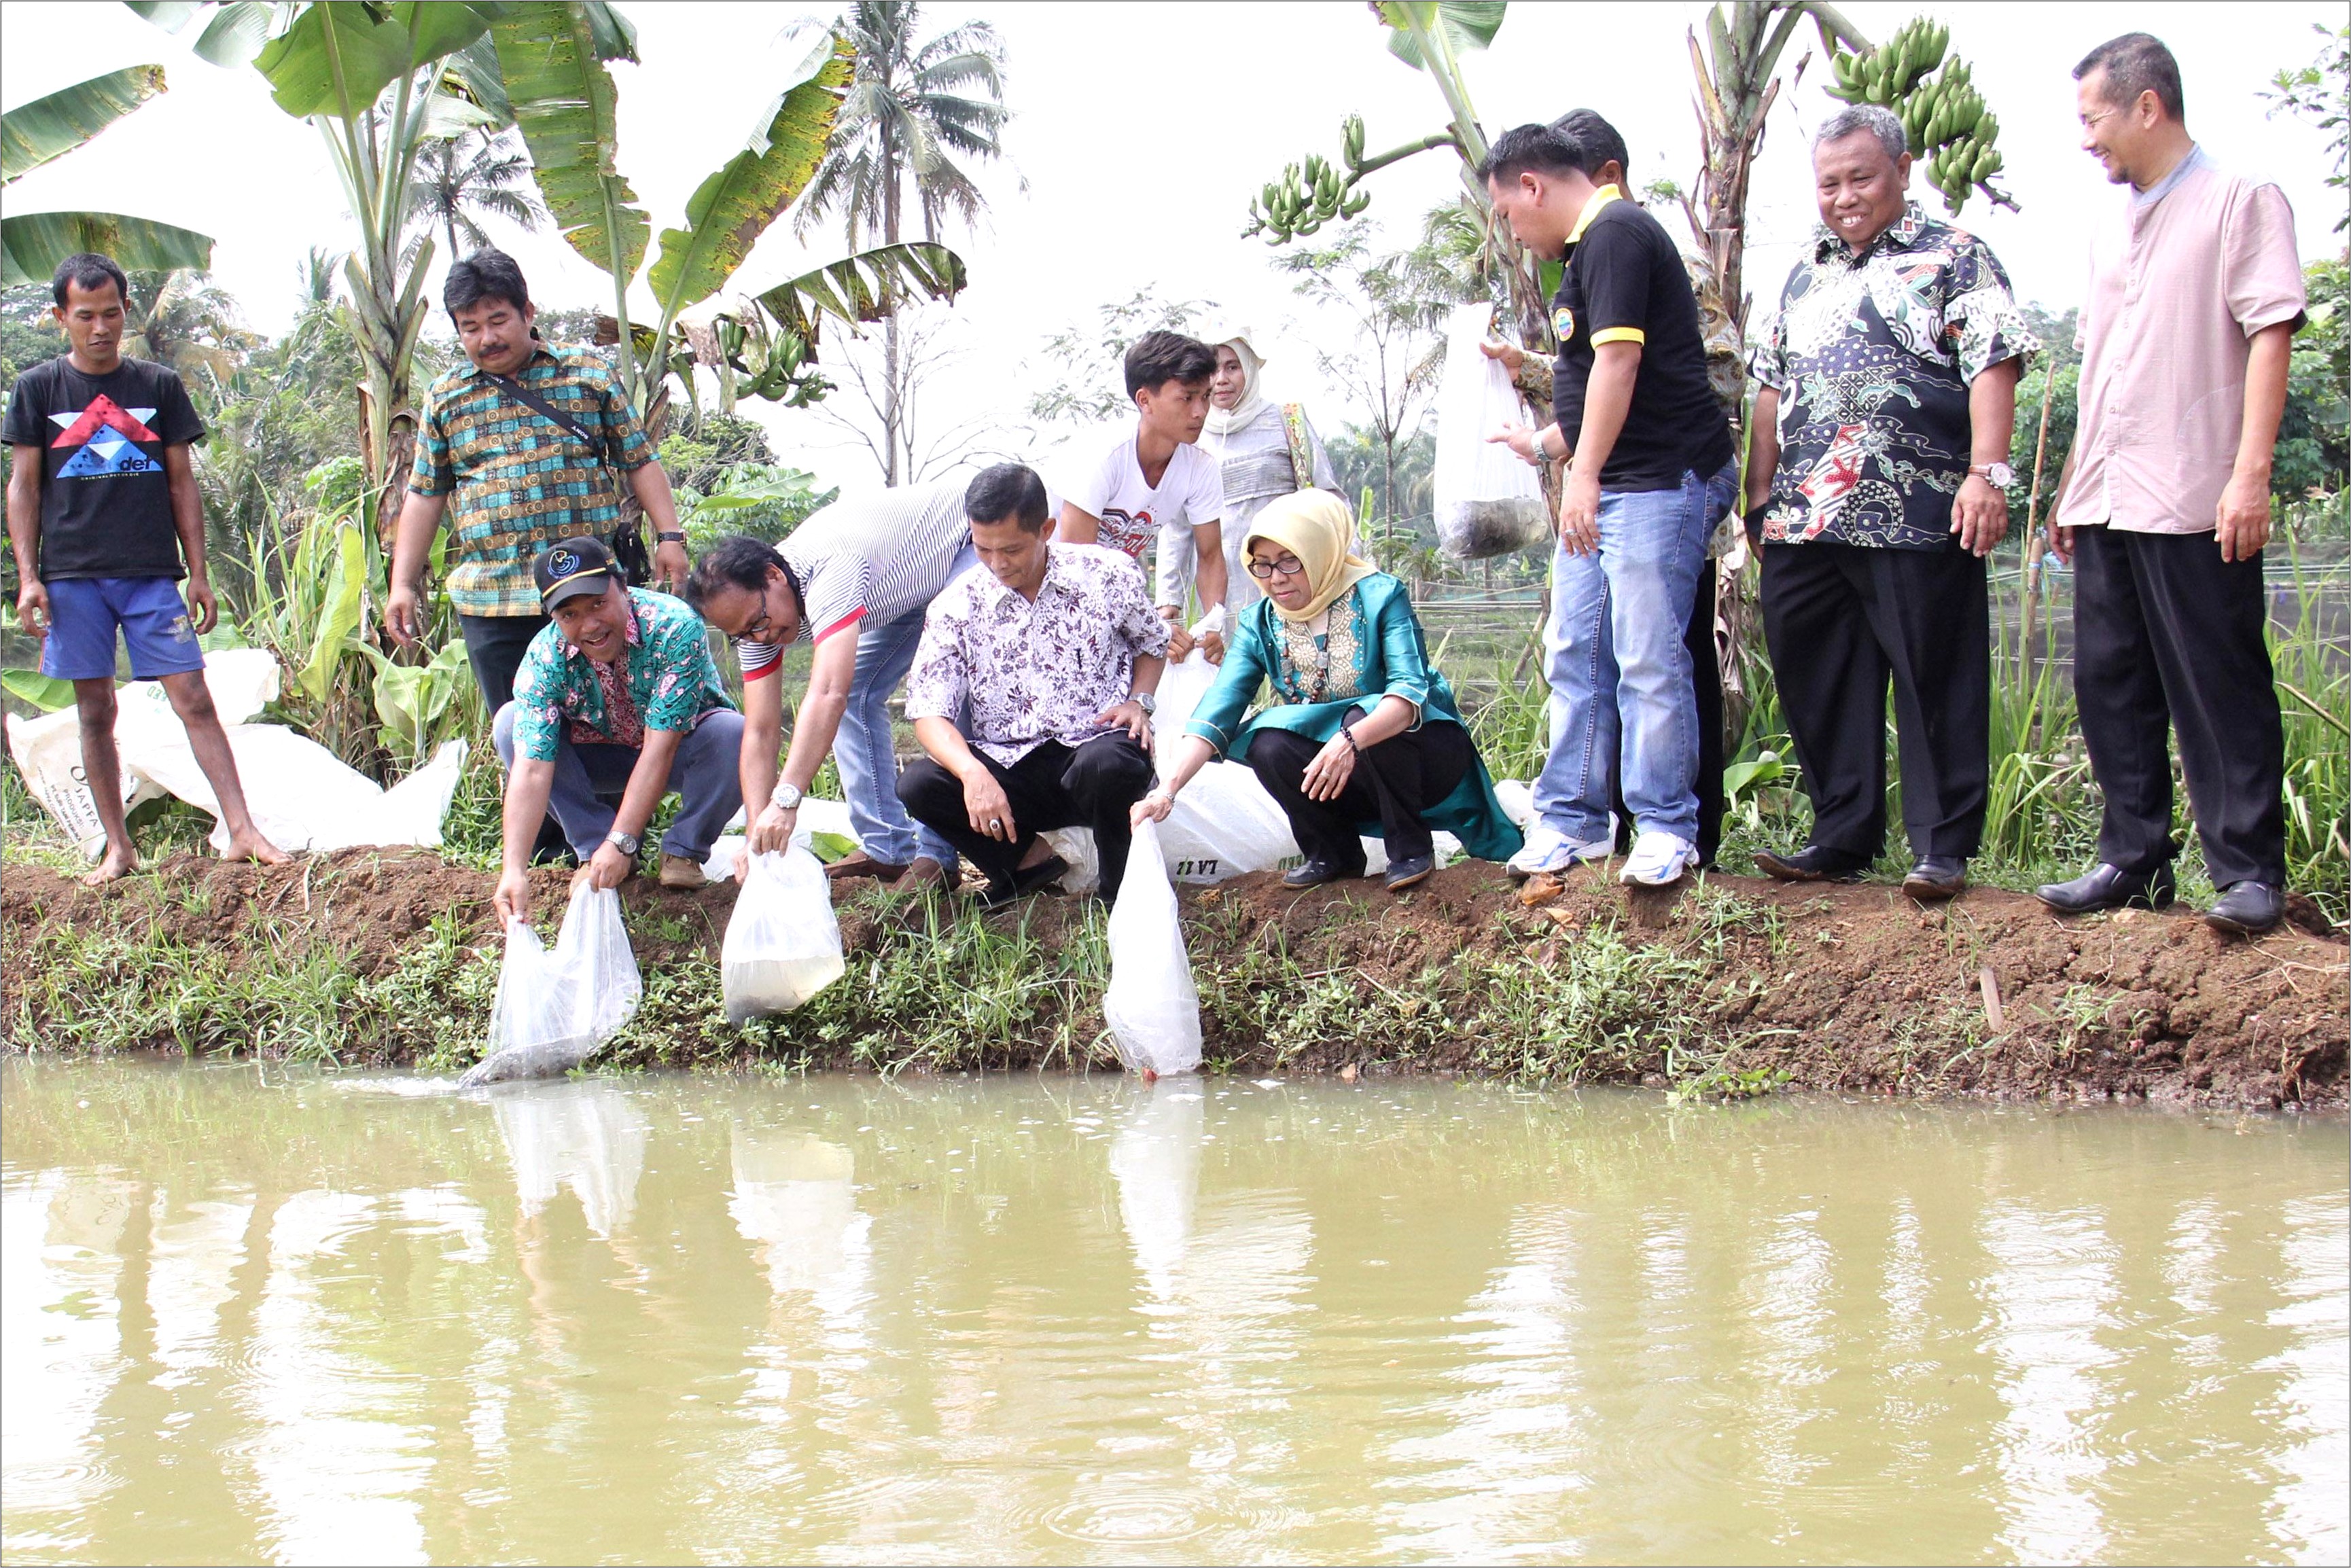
[619,691]
[1055,653]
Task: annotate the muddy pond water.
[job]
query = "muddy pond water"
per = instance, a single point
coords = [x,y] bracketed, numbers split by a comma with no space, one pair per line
[251,1315]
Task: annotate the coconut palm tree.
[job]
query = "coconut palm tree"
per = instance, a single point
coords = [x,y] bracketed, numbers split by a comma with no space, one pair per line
[460,178]
[922,111]
[189,323]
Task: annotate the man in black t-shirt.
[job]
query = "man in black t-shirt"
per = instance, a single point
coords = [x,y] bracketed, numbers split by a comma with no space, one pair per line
[102,502]
[1651,468]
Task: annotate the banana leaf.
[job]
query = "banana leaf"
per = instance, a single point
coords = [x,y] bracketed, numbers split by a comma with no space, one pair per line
[726,215]
[550,59]
[372,46]
[51,126]
[44,692]
[1468,24]
[32,244]
[232,38]
[340,615]
[859,287]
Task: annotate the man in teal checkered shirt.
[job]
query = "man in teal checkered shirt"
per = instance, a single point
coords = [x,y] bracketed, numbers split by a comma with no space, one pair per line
[512,481]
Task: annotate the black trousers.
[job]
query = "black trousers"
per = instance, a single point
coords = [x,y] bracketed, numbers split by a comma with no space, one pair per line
[1054,786]
[1706,678]
[1842,620]
[495,645]
[2167,634]
[1394,782]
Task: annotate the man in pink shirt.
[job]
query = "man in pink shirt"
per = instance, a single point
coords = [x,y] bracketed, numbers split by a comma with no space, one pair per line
[2195,291]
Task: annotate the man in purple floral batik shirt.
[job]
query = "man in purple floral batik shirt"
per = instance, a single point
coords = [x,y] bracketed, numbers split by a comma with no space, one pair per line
[1049,657]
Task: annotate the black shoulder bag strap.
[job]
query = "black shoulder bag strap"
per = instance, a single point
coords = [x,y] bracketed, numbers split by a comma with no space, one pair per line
[627,540]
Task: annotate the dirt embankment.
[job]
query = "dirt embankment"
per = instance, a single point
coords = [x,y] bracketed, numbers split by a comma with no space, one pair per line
[1844,989]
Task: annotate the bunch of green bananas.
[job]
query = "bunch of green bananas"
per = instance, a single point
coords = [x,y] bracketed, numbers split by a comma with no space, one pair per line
[1951,132]
[1311,194]
[1896,67]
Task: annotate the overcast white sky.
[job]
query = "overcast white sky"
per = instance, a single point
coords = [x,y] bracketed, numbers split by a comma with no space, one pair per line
[1141,132]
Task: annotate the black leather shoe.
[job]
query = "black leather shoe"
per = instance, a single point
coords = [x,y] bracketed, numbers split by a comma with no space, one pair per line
[2110,887]
[1028,879]
[2247,908]
[1317,871]
[1937,877]
[1814,862]
[1405,873]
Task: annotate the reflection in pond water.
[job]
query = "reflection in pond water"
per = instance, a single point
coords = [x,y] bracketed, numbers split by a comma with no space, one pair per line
[245,1316]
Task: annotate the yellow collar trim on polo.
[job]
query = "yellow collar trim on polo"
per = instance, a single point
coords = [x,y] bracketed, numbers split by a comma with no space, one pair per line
[1600,198]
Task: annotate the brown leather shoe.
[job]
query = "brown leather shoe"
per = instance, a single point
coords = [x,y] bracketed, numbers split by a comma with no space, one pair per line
[681,871]
[925,875]
[857,863]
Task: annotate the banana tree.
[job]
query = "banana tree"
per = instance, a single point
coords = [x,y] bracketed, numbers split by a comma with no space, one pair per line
[372,77]
[553,59]
[32,244]
[1431,37]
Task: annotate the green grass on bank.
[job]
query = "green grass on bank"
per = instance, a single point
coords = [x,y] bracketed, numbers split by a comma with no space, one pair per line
[936,986]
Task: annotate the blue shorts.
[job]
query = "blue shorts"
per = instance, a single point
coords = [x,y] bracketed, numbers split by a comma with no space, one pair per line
[84,612]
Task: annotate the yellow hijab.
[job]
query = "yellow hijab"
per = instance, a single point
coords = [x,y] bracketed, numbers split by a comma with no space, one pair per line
[1317,528]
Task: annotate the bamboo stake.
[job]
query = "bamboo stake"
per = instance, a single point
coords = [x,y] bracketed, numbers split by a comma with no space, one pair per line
[2031,525]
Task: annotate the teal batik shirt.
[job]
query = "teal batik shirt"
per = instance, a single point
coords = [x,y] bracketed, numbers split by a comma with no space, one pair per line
[1376,650]
[667,681]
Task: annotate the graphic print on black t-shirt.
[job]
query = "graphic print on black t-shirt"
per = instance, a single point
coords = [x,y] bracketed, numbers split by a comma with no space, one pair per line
[106,501]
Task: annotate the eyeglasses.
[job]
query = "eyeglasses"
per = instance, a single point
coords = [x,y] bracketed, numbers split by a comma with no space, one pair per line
[755,630]
[1288,566]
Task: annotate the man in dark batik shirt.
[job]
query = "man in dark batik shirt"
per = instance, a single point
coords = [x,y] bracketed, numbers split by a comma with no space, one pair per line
[1877,484]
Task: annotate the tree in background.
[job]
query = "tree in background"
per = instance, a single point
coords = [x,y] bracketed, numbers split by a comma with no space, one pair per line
[463,179]
[912,109]
[1085,383]
[1395,304]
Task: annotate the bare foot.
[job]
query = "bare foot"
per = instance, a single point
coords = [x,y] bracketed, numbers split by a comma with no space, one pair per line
[119,862]
[249,846]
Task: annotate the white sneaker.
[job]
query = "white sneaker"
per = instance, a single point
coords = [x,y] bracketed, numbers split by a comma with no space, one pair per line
[1549,850]
[1657,859]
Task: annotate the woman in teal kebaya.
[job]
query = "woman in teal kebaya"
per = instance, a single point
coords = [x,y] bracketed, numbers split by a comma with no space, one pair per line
[1362,737]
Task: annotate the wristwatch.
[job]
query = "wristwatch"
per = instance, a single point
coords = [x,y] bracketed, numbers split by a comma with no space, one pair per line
[671,536]
[627,843]
[1145,701]
[787,796]
[1998,475]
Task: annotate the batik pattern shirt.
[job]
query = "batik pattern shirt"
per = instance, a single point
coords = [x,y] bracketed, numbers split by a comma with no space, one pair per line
[665,681]
[517,481]
[1872,356]
[1036,672]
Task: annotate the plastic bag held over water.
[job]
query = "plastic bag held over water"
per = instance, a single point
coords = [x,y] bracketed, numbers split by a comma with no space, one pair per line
[1488,501]
[553,1009]
[1152,1005]
[783,941]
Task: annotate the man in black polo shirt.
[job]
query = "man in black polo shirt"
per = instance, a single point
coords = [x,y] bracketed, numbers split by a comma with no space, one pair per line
[1651,467]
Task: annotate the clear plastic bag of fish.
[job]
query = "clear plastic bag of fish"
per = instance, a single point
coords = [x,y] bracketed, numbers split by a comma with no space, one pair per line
[1153,1006]
[1488,501]
[783,941]
[555,1008]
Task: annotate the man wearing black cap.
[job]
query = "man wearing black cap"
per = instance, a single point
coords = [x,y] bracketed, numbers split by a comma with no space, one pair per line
[618,690]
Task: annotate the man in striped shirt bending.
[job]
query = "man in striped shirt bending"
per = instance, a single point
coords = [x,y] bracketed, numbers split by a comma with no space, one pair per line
[855,580]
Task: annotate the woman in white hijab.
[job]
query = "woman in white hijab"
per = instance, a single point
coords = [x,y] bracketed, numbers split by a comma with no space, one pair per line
[1266,449]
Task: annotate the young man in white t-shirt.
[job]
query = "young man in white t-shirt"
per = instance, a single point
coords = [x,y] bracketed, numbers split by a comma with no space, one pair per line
[1158,474]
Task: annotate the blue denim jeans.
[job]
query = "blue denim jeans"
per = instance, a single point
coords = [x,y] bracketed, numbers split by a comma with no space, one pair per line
[705,773]
[1619,666]
[867,758]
